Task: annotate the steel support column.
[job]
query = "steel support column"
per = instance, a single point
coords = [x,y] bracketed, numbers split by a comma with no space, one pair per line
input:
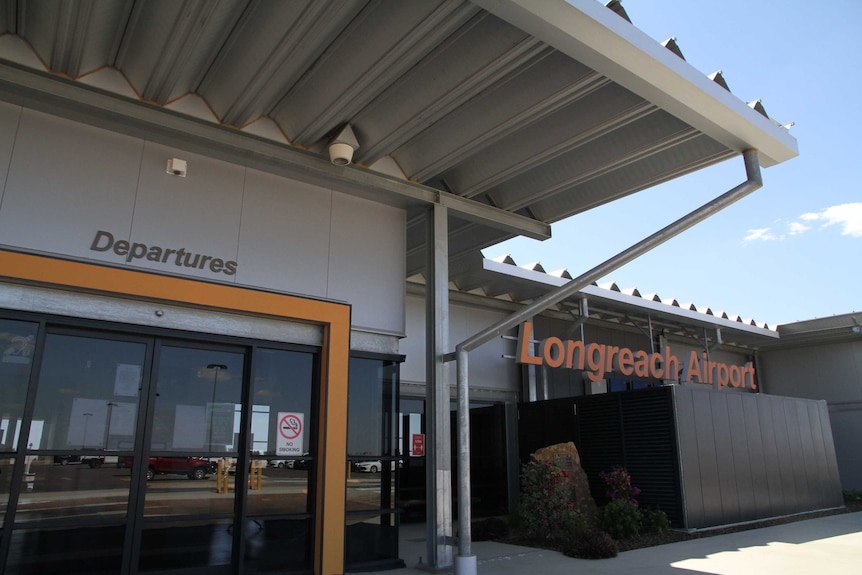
[438,461]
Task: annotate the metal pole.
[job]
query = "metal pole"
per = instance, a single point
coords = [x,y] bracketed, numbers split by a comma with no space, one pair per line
[752,183]
[465,563]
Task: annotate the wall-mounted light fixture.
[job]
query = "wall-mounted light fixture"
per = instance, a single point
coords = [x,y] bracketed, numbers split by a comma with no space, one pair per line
[177,167]
[342,146]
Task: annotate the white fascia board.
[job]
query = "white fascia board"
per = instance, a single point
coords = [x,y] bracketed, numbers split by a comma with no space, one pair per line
[646,306]
[594,35]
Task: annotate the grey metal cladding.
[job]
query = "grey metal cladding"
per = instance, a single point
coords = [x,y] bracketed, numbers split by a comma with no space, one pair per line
[756,456]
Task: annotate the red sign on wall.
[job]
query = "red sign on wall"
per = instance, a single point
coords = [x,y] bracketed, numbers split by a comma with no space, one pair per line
[418,444]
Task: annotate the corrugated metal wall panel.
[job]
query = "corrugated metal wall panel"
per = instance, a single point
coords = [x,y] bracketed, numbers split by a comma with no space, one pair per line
[785,462]
[770,456]
[754,439]
[725,459]
[806,451]
[757,456]
[689,457]
[737,436]
[708,461]
[835,496]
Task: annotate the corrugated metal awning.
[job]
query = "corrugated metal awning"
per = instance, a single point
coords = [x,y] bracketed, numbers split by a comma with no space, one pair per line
[537,109]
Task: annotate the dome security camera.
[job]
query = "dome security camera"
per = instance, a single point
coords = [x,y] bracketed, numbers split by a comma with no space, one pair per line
[340,154]
[342,146]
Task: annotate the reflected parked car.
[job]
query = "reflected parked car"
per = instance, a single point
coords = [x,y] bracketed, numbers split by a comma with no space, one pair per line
[373,466]
[192,467]
[367,466]
[93,462]
[289,463]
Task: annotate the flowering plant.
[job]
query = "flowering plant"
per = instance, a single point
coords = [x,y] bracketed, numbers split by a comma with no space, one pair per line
[618,485]
[546,509]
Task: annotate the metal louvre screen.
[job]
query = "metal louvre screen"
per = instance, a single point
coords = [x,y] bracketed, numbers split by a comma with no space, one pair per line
[650,449]
[633,429]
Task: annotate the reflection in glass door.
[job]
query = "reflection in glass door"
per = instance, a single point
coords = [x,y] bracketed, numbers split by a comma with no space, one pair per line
[191,453]
[127,454]
[73,501]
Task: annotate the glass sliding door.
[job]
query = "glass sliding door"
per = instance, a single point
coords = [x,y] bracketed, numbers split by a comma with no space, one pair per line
[128,454]
[17,348]
[72,509]
[193,434]
[277,531]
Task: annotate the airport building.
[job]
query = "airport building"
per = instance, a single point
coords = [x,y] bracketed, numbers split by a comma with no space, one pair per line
[241,278]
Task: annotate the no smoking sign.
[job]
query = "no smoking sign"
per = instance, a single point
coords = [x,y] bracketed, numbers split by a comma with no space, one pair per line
[290,431]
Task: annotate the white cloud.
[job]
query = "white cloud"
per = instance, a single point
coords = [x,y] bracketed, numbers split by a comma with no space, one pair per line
[797,228]
[762,234]
[848,216]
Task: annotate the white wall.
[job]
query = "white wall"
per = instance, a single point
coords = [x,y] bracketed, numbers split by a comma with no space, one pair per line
[63,181]
[488,371]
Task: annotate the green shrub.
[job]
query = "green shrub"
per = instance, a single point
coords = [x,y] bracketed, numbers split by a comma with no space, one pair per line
[490,529]
[852,496]
[620,519]
[546,511]
[591,544]
[654,520]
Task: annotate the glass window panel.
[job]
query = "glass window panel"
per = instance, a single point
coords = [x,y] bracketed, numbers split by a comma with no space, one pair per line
[71,485]
[196,404]
[284,382]
[371,490]
[85,410]
[278,487]
[190,545]
[617,384]
[6,466]
[282,420]
[371,539]
[371,408]
[78,551]
[279,545]
[17,343]
[87,396]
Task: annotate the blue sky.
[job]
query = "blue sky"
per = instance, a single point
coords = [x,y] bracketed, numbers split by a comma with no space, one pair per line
[790,251]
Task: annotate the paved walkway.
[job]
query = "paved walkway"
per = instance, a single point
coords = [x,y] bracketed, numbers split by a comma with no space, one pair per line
[823,546]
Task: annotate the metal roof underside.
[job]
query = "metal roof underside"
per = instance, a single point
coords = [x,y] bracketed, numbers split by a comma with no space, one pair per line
[536,110]
[502,283]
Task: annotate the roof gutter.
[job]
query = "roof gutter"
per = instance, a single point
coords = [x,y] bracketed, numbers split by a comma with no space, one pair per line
[465,562]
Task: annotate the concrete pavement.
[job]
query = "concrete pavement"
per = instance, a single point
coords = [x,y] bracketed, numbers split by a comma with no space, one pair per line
[826,546]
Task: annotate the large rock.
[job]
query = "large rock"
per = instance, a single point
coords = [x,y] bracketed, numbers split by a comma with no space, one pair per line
[566,457]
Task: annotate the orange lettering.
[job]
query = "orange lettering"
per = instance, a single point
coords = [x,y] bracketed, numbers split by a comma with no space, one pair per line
[553,359]
[525,347]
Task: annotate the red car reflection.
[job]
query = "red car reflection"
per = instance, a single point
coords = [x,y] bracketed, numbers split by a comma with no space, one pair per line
[192,467]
